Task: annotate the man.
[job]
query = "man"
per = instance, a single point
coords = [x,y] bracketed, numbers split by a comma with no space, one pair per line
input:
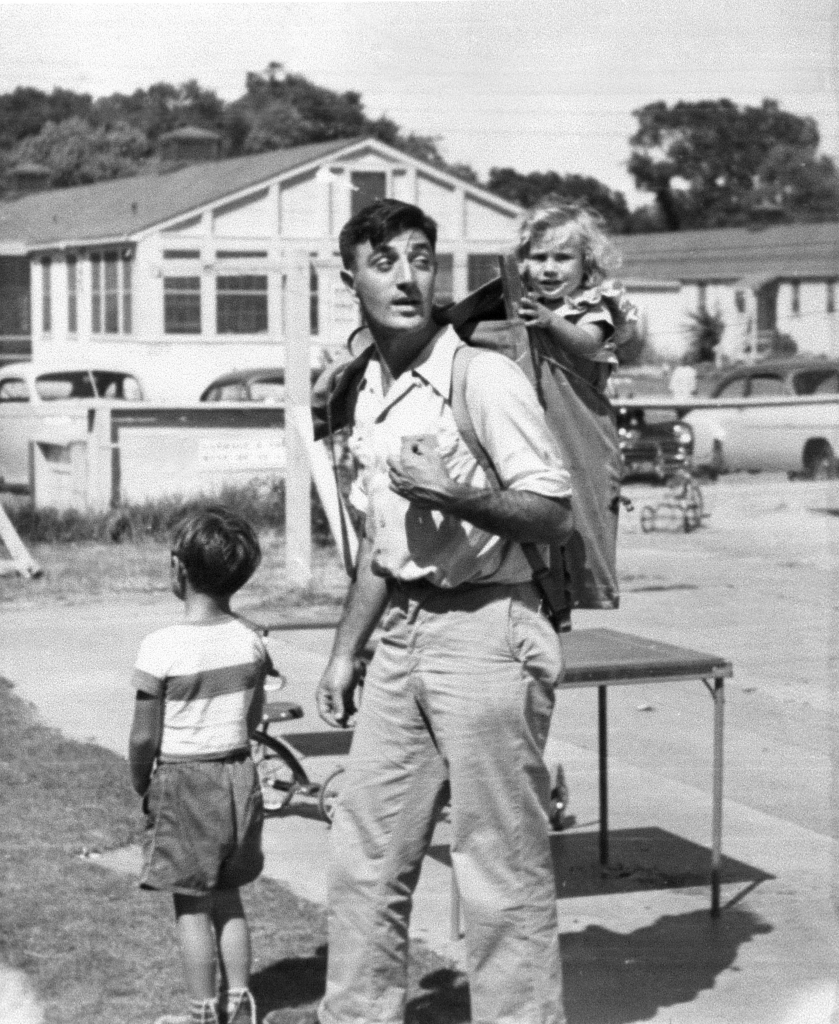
[458,697]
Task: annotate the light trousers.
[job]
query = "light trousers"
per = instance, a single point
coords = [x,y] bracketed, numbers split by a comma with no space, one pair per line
[457,704]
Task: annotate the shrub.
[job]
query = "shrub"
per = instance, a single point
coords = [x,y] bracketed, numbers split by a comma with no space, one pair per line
[261,503]
[704,330]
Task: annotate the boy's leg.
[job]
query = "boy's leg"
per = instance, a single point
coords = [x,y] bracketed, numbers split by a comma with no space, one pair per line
[234,946]
[234,939]
[197,940]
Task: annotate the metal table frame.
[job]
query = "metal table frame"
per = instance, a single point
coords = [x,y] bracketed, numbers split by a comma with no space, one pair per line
[605,657]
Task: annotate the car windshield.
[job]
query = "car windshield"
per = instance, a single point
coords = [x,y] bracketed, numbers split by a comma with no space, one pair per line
[52,387]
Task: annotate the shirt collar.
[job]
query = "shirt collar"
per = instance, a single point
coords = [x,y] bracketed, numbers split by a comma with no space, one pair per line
[434,363]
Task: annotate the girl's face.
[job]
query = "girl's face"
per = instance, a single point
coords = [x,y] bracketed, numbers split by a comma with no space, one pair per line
[554,266]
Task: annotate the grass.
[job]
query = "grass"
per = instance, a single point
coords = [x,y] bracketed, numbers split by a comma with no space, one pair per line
[93,945]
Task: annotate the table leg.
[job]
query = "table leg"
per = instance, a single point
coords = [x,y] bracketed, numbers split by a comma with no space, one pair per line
[454,910]
[718,694]
[603,755]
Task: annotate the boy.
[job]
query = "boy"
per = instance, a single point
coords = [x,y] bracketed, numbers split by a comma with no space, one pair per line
[200,687]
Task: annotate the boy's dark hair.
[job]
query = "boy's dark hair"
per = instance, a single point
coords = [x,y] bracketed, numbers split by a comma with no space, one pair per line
[381,221]
[219,550]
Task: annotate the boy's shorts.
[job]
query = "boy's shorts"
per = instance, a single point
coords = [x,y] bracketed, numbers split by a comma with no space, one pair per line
[203,826]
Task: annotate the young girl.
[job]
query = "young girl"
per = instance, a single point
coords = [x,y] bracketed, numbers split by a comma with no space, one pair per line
[565,260]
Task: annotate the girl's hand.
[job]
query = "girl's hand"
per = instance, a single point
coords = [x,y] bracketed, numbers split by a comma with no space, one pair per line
[535,314]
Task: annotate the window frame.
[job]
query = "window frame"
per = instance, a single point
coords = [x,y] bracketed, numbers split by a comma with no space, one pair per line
[111,298]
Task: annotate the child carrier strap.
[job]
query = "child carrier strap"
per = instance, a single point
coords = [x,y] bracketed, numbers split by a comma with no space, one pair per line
[554,601]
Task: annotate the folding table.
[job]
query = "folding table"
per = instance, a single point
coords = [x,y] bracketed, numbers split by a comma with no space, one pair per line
[606,657]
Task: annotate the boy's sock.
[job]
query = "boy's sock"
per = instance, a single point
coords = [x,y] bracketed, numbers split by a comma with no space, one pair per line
[241,1008]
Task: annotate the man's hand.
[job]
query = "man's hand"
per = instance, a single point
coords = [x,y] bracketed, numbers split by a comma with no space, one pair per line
[535,314]
[420,475]
[334,693]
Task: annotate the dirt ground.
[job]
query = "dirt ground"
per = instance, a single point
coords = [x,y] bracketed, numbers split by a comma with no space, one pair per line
[758,584]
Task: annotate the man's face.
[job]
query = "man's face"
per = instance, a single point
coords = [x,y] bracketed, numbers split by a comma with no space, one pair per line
[394,283]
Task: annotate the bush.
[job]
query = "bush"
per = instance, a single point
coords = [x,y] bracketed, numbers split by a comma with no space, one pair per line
[262,504]
[704,331]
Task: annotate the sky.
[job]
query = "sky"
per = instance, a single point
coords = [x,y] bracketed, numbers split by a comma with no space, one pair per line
[535,85]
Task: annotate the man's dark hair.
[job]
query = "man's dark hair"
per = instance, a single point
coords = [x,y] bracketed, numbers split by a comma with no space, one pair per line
[219,550]
[381,221]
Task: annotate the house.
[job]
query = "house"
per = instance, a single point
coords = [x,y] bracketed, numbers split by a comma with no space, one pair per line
[782,279]
[179,276]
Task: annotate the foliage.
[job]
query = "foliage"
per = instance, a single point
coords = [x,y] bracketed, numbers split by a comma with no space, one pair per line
[637,349]
[704,331]
[262,504]
[713,164]
[25,111]
[527,189]
[77,153]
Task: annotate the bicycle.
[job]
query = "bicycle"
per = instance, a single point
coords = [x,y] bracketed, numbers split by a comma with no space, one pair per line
[681,509]
[282,775]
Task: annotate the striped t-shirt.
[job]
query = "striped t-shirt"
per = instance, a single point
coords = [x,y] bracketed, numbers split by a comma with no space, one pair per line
[209,677]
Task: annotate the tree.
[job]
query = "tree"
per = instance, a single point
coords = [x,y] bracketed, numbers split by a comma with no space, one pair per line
[161,108]
[704,331]
[714,164]
[25,111]
[77,153]
[527,189]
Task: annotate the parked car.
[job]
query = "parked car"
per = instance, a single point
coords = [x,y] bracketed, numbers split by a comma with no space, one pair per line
[653,442]
[264,384]
[789,421]
[30,396]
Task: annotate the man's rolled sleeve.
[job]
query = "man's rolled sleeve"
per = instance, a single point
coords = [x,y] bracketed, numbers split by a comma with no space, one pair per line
[511,425]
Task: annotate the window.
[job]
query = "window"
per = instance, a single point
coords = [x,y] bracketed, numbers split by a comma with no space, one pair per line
[702,294]
[241,254]
[733,389]
[444,283]
[480,268]
[830,297]
[766,386]
[816,382]
[242,304]
[314,305]
[740,300]
[368,186]
[182,305]
[13,389]
[110,298]
[72,294]
[46,294]
[795,299]
[181,254]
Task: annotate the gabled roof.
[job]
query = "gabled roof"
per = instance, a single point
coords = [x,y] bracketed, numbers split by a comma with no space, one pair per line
[732,254]
[120,208]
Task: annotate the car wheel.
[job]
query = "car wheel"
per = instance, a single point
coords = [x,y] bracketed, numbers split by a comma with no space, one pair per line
[821,463]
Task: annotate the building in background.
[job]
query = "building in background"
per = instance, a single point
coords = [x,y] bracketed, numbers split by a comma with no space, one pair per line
[179,276]
[780,280]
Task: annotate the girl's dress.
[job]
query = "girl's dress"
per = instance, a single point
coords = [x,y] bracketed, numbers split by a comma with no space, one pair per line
[607,305]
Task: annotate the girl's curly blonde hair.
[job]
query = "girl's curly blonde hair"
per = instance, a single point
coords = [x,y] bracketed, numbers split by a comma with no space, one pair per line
[600,257]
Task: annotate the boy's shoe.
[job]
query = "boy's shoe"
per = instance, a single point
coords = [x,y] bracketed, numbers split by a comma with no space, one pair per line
[241,1008]
[200,1013]
[287,1017]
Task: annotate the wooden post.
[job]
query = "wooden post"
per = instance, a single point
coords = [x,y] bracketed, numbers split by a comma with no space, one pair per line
[298,424]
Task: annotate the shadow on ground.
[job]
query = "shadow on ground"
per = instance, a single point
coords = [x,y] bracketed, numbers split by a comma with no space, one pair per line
[609,977]
[639,859]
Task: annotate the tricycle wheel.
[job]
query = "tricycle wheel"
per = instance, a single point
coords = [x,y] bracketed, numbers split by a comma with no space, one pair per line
[329,794]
